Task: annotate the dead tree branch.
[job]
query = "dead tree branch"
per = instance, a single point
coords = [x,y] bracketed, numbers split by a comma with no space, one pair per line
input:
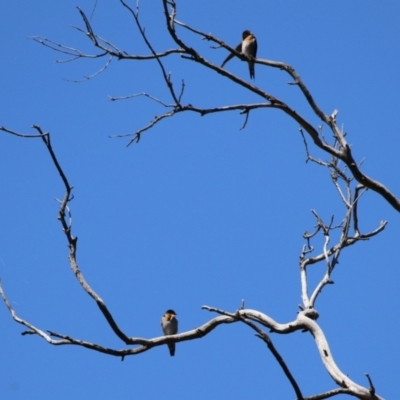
[350,198]
[338,150]
[305,320]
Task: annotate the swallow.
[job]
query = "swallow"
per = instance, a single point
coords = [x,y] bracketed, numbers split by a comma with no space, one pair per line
[169,325]
[248,47]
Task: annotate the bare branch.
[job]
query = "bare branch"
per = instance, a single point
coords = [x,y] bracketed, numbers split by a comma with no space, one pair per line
[371,385]
[72,241]
[70,51]
[331,255]
[138,95]
[330,393]
[145,344]
[32,329]
[75,53]
[94,9]
[167,77]
[355,207]
[21,135]
[264,337]
[341,152]
[156,119]
[86,78]
[306,321]
[303,322]
[245,108]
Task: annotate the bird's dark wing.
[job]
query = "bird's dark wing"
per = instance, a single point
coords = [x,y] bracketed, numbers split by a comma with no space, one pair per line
[255,48]
[231,55]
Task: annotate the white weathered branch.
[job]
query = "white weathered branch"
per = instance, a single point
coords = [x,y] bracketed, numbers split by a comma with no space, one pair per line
[339,151]
[303,321]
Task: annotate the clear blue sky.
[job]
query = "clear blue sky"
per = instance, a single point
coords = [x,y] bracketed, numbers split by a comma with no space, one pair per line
[198,212]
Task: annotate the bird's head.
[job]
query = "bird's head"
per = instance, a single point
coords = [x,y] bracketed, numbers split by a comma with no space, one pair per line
[246,33]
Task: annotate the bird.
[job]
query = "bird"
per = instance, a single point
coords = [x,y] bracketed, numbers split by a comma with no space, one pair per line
[248,47]
[169,325]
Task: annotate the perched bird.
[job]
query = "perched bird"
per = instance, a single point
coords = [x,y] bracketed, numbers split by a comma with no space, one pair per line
[169,325]
[248,47]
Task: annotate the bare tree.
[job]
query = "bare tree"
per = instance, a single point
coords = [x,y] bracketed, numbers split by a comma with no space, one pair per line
[345,173]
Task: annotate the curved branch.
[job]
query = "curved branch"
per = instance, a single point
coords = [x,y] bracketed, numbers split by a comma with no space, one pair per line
[264,337]
[167,77]
[330,393]
[343,153]
[331,256]
[145,344]
[121,55]
[67,229]
[244,108]
[339,151]
[303,321]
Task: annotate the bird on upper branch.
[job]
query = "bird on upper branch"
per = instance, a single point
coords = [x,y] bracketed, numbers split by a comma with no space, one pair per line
[248,47]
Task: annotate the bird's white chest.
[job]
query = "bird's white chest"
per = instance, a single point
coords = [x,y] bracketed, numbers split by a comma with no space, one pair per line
[248,48]
[170,327]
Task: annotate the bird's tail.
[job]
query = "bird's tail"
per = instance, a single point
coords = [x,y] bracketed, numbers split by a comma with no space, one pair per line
[171,347]
[252,70]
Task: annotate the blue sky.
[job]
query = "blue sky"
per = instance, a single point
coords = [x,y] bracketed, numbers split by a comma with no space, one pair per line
[199,212]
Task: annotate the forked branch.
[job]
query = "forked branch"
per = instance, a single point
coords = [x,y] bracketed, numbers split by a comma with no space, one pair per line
[337,147]
[188,52]
[330,255]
